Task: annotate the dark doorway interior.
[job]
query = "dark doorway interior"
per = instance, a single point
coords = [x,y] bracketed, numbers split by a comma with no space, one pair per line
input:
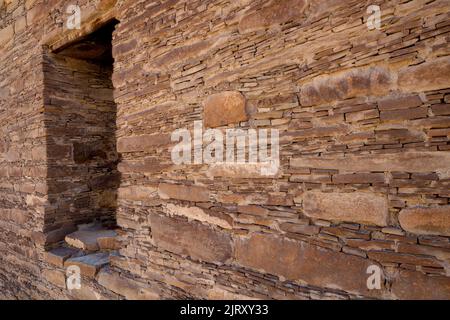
[80,118]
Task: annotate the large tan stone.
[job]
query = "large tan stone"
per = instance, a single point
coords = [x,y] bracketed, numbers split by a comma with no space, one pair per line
[303,262]
[404,161]
[190,238]
[55,277]
[130,289]
[90,264]
[426,221]
[182,192]
[367,81]
[183,54]
[146,142]
[224,108]
[412,285]
[196,213]
[137,193]
[6,34]
[276,13]
[358,207]
[433,75]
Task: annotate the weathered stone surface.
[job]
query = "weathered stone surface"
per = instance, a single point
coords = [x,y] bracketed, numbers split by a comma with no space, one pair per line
[146,142]
[427,221]
[411,285]
[358,207]
[88,239]
[195,213]
[56,277]
[276,12]
[300,261]
[137,193]
[58,256]
[191,238]
[131,290]
[373,81]
[243,170]
[184,54]
[224,108]
[431,75]
[404,161]
[90,264]
[182,192]
[6,34]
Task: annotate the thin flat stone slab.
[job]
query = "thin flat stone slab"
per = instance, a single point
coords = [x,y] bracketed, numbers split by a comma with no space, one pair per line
[90,264]
[88,239]
[59,255]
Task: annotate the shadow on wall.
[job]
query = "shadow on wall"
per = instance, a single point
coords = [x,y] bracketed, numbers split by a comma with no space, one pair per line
[80,119]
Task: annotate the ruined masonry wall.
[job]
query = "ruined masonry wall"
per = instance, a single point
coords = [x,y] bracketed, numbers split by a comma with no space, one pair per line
[364,120]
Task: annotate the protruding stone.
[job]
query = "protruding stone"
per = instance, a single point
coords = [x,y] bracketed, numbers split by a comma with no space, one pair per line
[89,264]
[426,221]
[59,255]
[224,108]
[358,207]
[87,239]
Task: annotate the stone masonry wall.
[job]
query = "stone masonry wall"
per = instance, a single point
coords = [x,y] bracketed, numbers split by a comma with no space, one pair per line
[364,121]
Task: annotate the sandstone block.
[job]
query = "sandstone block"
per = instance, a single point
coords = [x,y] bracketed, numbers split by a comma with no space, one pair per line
[431,75]
[426,221]
[90,264]
[146,142]
[130,289]
[276,13]
[88,239]
[412,285]
[224,108]
[405,161]
[190,238]
[358,207]
[372,81]
[301,261]
[6,34]
[55,277]
[137,193]
[182,192]
[58,256]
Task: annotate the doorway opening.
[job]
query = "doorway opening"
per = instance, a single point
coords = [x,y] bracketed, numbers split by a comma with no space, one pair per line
[82,158]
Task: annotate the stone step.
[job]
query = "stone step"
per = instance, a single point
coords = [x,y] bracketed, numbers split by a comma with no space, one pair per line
[89,264]
[58,256]
[92,240]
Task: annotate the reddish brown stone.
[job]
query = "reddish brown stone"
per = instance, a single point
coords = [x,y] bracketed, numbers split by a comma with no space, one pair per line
[190,238]
[304,262]
[146,142]
[373,81]
[431,75]
[275,13]
[224,108]
[411,285]
[359,207]
[429,221]
[182,192]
